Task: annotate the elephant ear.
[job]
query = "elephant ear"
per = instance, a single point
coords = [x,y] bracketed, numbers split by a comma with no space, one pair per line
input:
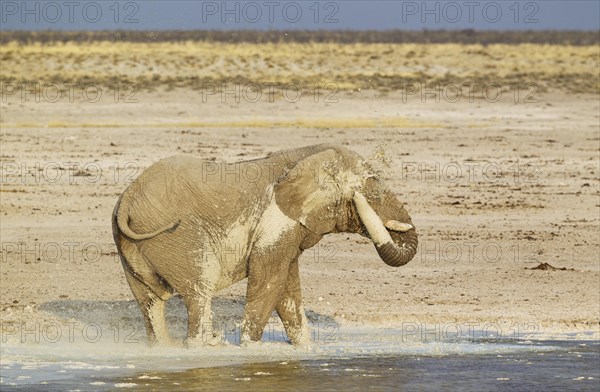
[309,192]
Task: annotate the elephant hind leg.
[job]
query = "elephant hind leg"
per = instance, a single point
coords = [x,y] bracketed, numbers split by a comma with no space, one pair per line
[153,310]
[200,325]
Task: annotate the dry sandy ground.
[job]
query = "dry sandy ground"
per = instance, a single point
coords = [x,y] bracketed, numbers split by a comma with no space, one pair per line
[516,185]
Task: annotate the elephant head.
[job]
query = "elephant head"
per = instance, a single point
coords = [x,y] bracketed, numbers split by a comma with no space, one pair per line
[331,189]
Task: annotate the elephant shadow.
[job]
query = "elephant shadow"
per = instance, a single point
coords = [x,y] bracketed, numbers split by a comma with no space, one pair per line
[228,314]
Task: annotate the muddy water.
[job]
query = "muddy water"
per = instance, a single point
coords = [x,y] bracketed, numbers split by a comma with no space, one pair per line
[526,370]
[359,361]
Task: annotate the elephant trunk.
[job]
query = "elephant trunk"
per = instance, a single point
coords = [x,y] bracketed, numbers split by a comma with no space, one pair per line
[393,253]
[396,255]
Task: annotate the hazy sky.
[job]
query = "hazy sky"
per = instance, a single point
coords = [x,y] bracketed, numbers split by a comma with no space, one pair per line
[310,14]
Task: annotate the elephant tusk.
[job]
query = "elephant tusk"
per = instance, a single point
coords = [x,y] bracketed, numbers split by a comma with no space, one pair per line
[371,220]
[398,226]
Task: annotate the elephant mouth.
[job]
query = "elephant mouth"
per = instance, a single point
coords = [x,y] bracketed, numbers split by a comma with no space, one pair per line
[396,246]
[403,239]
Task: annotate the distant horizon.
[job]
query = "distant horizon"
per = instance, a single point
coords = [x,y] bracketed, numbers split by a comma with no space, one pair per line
[578,38]
[303,30]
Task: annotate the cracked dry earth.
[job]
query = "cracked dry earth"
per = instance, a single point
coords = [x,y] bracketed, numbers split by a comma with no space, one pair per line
[493,189]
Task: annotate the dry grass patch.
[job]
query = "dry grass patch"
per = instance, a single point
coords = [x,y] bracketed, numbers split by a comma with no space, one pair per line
[379,66]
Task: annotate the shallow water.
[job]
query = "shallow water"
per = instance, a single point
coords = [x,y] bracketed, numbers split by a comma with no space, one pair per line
[359,360]
[525,370]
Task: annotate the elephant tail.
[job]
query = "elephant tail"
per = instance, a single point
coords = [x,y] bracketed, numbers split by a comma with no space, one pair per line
[122,218]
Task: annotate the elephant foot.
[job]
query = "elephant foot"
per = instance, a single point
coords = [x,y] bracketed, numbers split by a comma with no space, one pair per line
[301,340]
[164,342]
[251,333]
[249,343]
[215,339]
[299,334]
[248,339]
[208,339]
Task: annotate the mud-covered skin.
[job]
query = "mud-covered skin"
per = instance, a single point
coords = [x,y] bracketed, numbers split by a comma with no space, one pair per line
[193,227]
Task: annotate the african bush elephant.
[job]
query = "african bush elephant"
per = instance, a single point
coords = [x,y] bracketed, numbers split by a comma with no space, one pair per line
[193,227]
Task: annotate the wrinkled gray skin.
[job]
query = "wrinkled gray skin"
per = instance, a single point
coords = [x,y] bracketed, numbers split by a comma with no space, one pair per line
[192,227]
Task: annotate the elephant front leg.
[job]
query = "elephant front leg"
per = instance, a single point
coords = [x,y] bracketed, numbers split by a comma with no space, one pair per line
[291,311]
[266,285]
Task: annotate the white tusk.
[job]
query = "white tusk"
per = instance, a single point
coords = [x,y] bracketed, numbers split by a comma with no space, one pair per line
[371,220]
[398,226]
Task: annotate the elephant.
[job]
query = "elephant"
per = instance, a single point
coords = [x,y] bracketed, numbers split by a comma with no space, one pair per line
[191,227]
